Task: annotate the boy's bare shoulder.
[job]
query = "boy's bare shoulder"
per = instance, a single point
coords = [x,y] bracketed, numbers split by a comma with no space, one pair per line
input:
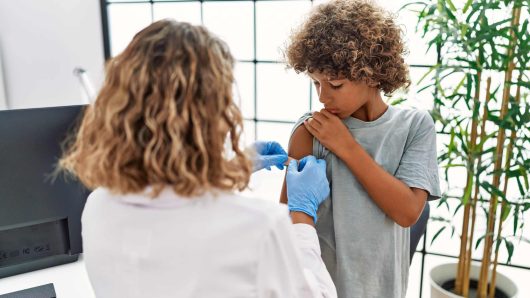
[301,143]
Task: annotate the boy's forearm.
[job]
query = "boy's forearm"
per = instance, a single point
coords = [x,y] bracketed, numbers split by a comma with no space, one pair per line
[283,193]
[394,197]
[301,217]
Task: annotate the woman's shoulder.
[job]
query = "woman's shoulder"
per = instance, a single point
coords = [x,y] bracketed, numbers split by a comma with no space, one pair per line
[222,201]
[258,207]
[97,196]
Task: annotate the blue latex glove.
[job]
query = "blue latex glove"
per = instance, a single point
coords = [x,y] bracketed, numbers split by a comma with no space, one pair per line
[269,154]
[307,185]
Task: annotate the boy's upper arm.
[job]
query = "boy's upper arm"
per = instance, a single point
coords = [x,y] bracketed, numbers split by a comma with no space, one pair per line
[300,146]
[300,143]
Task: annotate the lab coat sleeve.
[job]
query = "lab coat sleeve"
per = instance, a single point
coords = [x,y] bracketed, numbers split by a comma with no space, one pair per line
[290,264]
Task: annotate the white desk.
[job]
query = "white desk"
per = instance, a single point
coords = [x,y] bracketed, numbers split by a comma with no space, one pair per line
[69,280]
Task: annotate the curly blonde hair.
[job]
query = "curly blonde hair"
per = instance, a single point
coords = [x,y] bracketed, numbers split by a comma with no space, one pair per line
[351,38]
[162,117]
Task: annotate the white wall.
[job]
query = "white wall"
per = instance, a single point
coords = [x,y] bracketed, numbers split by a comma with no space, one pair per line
[3,100]
[41,42]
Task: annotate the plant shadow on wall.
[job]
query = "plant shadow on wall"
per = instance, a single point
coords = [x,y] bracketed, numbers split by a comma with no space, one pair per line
[481,84]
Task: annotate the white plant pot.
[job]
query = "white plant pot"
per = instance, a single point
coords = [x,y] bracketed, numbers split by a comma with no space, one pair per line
[446,272]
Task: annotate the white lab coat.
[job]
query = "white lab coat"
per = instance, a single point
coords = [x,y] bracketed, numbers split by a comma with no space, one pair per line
[216,245]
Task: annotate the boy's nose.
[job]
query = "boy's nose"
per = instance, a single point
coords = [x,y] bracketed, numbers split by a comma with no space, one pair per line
[323,98]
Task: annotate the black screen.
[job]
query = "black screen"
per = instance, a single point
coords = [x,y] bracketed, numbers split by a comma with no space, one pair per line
[40,212]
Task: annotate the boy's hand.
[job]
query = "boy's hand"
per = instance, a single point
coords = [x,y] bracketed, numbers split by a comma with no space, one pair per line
[330,131]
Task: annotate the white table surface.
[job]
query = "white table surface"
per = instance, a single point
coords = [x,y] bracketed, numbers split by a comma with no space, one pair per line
[69,280]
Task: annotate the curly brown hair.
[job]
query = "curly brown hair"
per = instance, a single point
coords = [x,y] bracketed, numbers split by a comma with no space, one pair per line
[355,39]
[162,117]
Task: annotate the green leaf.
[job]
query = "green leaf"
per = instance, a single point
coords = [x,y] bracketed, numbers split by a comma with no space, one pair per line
[451,141]
[492,26]
[515,219]
[520,34]
[425,87]
[437,234]
[468,3]
[520,185]
[454,165]
[411,3]
[498,243]
[479,240]
[469,187]
[513,173]
[450,14]
[509,247]
[505,211]
[523,84]
[459,85]
[492,190]
[427,73]
[451,5]
[475,9]
[443,201]
[482,141]
[469,85]
[457,208]
[398,101]
[463,30]
[440,219]
[486,212]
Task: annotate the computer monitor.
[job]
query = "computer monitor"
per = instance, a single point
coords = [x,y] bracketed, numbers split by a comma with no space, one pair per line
[40,217]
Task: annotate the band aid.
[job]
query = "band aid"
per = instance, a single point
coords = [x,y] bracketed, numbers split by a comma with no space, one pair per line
[288,160]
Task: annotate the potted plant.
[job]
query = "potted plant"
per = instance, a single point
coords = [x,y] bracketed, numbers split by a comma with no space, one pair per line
[480,85]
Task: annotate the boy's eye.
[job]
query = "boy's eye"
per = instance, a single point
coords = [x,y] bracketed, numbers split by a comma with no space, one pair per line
[331,85]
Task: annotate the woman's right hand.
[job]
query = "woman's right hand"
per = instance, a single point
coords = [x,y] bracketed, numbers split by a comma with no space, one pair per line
[307,185]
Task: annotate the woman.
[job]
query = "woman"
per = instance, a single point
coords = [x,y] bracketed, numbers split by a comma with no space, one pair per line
[164,219]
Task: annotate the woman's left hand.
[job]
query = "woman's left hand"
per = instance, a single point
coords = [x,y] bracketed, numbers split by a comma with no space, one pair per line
[330,131]
[268,154]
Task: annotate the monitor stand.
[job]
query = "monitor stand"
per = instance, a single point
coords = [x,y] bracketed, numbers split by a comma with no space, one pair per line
[35,246]
[44,291]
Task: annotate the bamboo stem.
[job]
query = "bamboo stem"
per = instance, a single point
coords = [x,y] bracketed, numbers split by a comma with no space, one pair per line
[469,249]
[484,270]
[469,184]
[505,189]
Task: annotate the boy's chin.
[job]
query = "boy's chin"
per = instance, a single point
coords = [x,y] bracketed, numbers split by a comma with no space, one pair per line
[339,114]
[343,116]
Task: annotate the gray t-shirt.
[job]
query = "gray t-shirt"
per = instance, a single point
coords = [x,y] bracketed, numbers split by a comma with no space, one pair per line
[365,251]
